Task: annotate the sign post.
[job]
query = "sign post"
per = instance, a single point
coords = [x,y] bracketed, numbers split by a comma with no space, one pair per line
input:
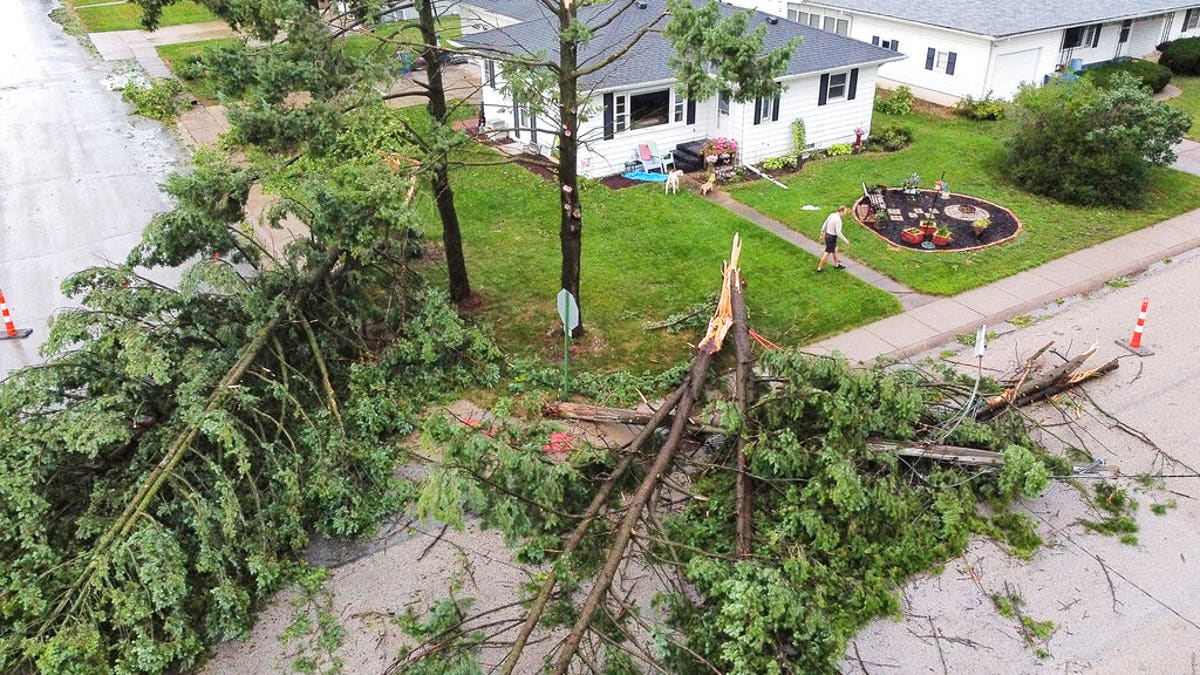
[568,311]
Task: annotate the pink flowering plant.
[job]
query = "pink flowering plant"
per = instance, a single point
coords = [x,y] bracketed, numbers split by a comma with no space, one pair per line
[720,146]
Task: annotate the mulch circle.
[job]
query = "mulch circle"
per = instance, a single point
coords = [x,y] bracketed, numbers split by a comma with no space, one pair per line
[956,213]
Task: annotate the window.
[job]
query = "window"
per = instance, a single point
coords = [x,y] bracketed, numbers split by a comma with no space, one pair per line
[1191,19]
[620,114]
[830,24]
[939,63]
[679,106]
[766,110]
[814,21]
[722,103]
[490,68]
[893,45]
[649,109]
[1126,25]
[943,61]
[1081,36]
[837,86]
[794,13]
[843,27]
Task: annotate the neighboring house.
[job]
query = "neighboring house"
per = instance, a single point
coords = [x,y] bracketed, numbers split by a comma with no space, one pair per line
[829,84]
[975,47]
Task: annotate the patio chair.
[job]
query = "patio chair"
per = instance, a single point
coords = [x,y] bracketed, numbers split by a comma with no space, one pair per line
[877,202]
[665,159]
[648,160]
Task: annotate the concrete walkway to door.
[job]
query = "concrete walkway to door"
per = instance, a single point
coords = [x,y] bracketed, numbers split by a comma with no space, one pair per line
[140,45]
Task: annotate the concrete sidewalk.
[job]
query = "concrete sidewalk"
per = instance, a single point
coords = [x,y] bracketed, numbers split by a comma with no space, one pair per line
[937,322]
[139,44]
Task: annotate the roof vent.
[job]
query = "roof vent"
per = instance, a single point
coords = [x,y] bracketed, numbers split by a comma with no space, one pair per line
[772,20]
[641,4]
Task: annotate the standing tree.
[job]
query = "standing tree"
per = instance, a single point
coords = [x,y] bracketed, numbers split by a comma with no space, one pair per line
[716,51]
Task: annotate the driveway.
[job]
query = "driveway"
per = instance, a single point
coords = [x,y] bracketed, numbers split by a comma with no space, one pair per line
[78,175]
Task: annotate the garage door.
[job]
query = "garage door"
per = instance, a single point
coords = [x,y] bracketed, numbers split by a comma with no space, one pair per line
[1014,68]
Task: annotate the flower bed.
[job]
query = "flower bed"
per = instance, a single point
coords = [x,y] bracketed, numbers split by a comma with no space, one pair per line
[907,215]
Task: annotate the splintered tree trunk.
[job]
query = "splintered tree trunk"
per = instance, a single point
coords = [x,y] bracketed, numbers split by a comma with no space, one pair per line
[456,263]
[570,231]
[743,491]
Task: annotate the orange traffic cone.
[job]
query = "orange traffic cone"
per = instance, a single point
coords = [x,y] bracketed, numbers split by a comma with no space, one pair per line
[10,329]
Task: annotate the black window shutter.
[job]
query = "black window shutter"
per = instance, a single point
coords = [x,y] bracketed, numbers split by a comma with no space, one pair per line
[758,110]
[875,40]
[950,63]
[895,45]
[929,57]
[691,111]
[1096,36]
[775,109]
[608,115]
[516,118]
[491,73]
[533,126]
[823,94]
[853,90]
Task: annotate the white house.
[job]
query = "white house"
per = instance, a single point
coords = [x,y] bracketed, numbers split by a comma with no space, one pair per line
[482,15]
[829,84]
[976,47]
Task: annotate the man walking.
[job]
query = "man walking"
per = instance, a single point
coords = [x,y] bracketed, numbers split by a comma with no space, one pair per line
[831,231]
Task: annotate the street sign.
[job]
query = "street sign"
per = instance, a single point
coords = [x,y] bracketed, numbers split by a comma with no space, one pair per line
[568,310]
[980,341]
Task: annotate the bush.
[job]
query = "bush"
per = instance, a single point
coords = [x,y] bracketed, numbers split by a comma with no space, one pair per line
[1182,56]
[899,102]
[1082,144]
[157,100]
[892,138]
[838,149]
[773,164]
[799,139]
[1151,74]
[986,108]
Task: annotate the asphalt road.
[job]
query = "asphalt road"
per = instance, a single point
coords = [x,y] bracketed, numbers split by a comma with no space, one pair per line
[1115,608]
[78,175]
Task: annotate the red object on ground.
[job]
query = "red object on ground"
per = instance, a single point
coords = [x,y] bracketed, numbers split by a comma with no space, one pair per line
[560,441]
[1135,343]
[912,236]
[476,424]
[9,327]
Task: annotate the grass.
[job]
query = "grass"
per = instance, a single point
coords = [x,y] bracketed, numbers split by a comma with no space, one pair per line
[645,257]
[394,35]
[183,58]
[1188,101]
[128,16]
[969,153]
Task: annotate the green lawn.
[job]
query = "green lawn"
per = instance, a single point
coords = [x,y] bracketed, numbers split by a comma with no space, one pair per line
[396,34]
[645,256]
[1189,101]
[969,153]
[128,16]
[183,59]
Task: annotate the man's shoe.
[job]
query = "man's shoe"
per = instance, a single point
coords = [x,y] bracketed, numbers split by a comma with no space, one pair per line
[839,267]
[820,270]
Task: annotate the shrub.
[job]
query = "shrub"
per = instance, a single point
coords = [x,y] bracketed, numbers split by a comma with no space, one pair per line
[1151,74]
[157,100]
[899,102]
[892,138]
[838,149]
[986,108]
[1078,143]
[1182,56]
[773,164]
[799,138]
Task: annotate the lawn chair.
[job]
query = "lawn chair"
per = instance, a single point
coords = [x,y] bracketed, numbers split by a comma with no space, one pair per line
[665,159]
[877,203]
[648,160]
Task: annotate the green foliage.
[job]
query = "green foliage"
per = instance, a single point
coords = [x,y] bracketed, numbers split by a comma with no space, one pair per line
[839,149]
[898,102]
[1181,56]
[458,648]
[892,138]
[799,138]
[618,388]
[986,108]
[1151,74]
[314,625]
[157,100]
[1086,145]
[847,526]
[774,163]
[715,54]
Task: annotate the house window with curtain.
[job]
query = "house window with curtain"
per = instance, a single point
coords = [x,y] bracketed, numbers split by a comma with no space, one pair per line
[1191,19]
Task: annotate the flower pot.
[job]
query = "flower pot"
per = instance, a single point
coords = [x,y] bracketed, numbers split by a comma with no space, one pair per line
[939,240]
[928,229]
[912,235]
[979,230]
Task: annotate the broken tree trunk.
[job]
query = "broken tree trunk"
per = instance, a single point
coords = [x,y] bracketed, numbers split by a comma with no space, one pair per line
[743,397]
[598,502]
[1056,380]
[597,413]
[936,451]
[604,578]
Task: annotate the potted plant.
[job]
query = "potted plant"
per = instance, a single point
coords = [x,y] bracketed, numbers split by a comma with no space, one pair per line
[980,226]
[928,226]
[942,236]
[912,235]
[911,185]
[881,216]
[719,148]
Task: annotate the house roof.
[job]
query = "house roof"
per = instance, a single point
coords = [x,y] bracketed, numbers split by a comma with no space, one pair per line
[647,61]
[1000,18]
[520,10]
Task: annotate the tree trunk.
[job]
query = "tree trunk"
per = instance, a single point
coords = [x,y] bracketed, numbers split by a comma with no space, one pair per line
[570,231]
[456,263]
[744,398]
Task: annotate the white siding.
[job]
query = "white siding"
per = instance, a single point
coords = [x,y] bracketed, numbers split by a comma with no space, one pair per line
[1144,36]
[1177,27]
[1003,85]
[600,157]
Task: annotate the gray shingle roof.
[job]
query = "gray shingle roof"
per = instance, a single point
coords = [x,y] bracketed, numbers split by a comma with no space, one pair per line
[1001,18]
[647,61]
